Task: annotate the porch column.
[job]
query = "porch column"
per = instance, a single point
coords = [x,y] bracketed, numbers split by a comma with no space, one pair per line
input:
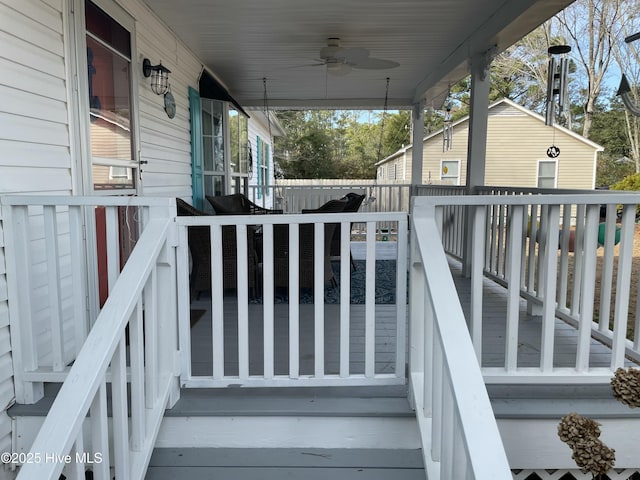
[417,133]
[477,145]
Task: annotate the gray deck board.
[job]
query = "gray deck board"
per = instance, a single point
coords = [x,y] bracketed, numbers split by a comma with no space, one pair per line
[279,473]
[272,464]
[201,339]
[529,329]
[387,401]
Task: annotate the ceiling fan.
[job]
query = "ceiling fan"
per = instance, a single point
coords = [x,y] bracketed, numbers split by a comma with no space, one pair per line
[340,61]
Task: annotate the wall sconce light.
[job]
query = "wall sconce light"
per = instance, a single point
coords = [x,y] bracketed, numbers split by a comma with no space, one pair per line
[159,76]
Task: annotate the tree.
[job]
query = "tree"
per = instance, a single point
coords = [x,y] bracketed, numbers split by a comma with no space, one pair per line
[520,72]
[609,130]
[314,144]
[627,58]
[592,27]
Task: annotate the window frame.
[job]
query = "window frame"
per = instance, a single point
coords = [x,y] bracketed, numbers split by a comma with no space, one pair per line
[457,177]
[85,160]
[555,172]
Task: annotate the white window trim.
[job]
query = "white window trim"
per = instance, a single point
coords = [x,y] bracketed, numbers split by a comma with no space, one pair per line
[555,173]
[448,160]
[78,119]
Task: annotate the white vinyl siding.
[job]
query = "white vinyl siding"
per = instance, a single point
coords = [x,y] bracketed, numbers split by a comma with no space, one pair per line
[38,137]
[6,367]
[34,138]
[165,144]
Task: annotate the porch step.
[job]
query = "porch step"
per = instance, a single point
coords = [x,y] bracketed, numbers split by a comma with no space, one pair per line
[387,401]
[555,401]
[280,463]
[304,417]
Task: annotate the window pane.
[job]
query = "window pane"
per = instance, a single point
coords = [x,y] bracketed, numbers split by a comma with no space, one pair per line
[207,126]
[218,154]
[109,81]
[107,29]
[110,101]
[547,169]
[546,182]
[207,147]
[450,168]
[234,139]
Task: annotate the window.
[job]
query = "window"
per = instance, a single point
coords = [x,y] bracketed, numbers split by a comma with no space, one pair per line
[450,172]
[262,163]
[110,103]
[238,141]
[213,147]
[547,170]
[224,162]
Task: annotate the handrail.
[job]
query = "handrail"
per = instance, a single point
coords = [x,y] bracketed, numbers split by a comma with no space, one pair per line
[105,344]
[459,431]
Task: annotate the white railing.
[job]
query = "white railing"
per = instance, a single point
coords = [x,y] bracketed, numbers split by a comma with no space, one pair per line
[459,433]
[454,216]
[52,275]
[550,250]
[132,346]
[259,261]
[294,198]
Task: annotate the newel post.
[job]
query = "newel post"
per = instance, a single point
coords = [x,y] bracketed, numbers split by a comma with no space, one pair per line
[167,298]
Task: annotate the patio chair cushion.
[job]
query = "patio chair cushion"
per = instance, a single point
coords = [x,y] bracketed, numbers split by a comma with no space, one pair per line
[237,204]
[199,239]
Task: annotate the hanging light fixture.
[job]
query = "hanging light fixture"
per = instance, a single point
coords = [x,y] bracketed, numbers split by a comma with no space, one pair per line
[159,76]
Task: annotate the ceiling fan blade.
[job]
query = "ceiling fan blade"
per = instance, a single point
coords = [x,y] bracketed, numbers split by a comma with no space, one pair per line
[375,64]
[316,64]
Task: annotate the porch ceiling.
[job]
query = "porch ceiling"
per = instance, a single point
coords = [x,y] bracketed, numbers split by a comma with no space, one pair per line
[242,42]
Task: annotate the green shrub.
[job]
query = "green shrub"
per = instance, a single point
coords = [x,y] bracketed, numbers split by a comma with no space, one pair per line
[631,182]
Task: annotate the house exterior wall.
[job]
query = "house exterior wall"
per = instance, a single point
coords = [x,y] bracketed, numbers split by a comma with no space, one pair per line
[39,139]
[516,142]
[34,138]
[164,143]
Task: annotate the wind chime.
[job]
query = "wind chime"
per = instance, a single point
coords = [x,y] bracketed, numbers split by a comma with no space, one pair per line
[557,90]
[624,90]
[447,127]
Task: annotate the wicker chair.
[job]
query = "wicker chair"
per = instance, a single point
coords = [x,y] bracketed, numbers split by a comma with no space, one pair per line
[353,205]
[200,247]
[237,204]
[306,248]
